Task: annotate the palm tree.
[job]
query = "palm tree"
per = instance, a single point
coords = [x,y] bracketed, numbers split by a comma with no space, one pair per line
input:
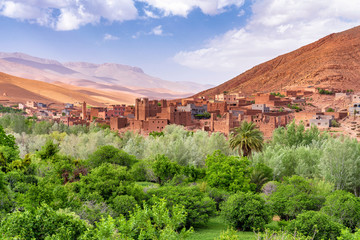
[246,138]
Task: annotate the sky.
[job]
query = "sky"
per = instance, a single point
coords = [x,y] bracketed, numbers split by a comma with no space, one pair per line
[204,41]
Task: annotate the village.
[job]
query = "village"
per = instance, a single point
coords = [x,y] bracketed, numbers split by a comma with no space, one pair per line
[221,113]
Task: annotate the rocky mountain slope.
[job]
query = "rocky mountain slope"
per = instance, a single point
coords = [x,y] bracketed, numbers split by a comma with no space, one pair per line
[333,61]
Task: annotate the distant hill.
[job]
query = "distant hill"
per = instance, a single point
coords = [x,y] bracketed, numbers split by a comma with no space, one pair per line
[17,89]
[115,77]
[333,61]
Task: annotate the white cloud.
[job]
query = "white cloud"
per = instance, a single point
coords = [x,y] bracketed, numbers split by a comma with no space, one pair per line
[108,36]
[276,27]
[150,14]
[184,7]
[157,30]
[68,14]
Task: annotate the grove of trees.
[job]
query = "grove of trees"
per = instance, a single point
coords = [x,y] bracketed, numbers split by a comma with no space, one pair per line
[60,182]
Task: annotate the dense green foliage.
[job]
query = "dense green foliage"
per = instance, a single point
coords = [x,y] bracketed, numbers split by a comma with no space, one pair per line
[344,208]
[198,205]
[4,109]
[148,222]
[293,196]
[246,211]
[316,225]
[229,173]
[42,223]
[98,185]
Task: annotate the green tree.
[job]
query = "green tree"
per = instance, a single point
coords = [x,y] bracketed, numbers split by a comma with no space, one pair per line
[7,139]
[344,208]
[49,150]
[246,211]
[197,204]
[340,163]
[106,182]
[164,169]
[293,196]
[149,222]
[111,154]
[42,223]
[246,138]
[317,225]
[229,173]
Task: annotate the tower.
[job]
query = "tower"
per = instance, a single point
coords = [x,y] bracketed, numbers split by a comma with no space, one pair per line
[142,110]
[84,115]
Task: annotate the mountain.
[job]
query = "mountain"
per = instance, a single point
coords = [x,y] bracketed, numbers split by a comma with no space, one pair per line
[17,89]
[333,61]
[107,76]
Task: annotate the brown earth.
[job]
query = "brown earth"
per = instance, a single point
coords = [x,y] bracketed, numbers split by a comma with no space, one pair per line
[17,89]
[331,62]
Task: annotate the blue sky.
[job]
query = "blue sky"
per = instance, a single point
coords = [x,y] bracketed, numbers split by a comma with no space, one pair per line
[205,41]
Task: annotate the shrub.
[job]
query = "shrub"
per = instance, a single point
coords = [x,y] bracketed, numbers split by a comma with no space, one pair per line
[246,211]
[106,182]
[150,222]
[41,223]
[164,169]
[123,205]
[315,224]
[110,154]
[198,206]
[293,196]
[229,173]
[344,208]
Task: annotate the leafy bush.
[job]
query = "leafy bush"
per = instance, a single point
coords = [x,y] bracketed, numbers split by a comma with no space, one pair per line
[164,169]
[315,224]
[123,205]
[229,173]
[110,154]
[93,212]
[41,223]
[107,182]
[246,212]
[293,196]
[150,222]
[344,208]
[198,206]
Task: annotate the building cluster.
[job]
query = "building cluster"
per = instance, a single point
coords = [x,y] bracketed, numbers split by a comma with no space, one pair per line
[221,113]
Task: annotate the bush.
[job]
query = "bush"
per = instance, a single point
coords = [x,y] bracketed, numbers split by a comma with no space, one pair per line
[344,208]
[106,182]
[229,173]
[198,206]
[315,224]
[123,205]
[293,196]
[41,223]
[150,222]
[110,154]
[246,212]
[164,169]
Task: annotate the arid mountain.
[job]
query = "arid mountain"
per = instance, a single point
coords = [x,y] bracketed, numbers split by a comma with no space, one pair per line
[17,89]
[333,61]
[105,76]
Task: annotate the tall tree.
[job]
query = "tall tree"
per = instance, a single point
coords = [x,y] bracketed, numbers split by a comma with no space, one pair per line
[247,138]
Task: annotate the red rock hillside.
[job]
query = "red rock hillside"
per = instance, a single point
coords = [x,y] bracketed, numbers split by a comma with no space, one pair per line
[333,61]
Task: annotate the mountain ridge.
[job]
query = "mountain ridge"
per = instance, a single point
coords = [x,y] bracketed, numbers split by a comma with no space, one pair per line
[74,73]
[330,62]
